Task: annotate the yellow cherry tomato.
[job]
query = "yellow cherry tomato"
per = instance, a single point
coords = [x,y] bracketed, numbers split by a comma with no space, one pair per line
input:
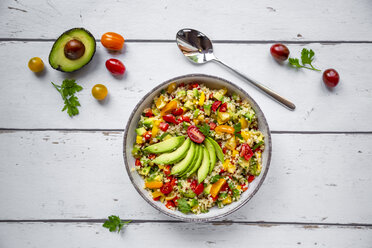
[99,91]
[36,64]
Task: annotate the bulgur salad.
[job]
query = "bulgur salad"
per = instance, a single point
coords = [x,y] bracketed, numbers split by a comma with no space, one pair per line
[197,147]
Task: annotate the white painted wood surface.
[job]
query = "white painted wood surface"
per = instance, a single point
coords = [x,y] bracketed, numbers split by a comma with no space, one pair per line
[182,235]
[28,101]
[241,20]
[318,190]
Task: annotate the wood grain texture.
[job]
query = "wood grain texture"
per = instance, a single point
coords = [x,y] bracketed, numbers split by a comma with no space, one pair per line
[181,235]
[242,20]
[29,101]
[80,175]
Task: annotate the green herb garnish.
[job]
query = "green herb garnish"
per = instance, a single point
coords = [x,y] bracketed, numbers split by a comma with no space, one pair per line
[237,128]
[215,178]
[257,145]
[67,89]
[115,223]
[183,206]
[205,129]
[307,57]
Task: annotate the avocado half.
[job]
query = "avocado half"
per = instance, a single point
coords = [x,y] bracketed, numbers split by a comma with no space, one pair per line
[57,56]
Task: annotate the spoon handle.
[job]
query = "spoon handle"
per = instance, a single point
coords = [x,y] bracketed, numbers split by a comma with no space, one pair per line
[262,87]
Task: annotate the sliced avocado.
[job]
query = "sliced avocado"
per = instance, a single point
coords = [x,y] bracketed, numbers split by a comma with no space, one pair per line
[141,130]
[166,145]
[72,50]
[174,157]
[243,163]
[218,149]
[189,194]
[145,171]
[207,189]
[197,163]
[181,166]
[195,158]
[204,168]
[212,154]
[189,105]
[148,122]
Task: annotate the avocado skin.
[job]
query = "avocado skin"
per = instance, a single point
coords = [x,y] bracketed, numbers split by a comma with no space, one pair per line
[56,48]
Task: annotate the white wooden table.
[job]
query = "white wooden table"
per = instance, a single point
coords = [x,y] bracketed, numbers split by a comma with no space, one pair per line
[60,177]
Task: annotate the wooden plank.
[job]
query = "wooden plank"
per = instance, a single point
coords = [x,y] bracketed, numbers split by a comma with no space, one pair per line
[244,20]
[181,235]
[29,101]
[80,175]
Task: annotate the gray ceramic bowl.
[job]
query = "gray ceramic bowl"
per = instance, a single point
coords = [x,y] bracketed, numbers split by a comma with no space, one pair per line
[130,136]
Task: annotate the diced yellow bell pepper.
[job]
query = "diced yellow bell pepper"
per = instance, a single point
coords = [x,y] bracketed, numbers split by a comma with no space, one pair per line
[201,117]
[171,87]
[243,122]
[225,164]
[231,143]
[231,168]
[246,135]
[161,166]
[160,103]
[258,155]
[234,153]
[196,121]
[223,117]
[227,200]
[157,194]
[216,187]
[239,187]
[201,99]
[139,139]
[155,128]
[153,184]
[172,105]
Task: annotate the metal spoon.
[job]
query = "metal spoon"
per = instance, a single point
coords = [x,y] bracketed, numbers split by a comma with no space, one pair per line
[199,49]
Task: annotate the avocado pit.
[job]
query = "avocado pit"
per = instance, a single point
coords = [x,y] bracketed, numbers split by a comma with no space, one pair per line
[74,49]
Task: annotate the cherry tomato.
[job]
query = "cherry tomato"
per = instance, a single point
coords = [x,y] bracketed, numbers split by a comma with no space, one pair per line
[36,64]
[177,111]
[151,156]
[212,125]
[193,184]
[175,200]
[99,91]
[138,162]
[199,189]
[331,77]
[115,66]
[148,113]
[163,126]
[250,178]
[112,41]
[246,152]
[166,188]
[280,52]
[184,118]
[167,170]
[224,187]
[156,198]
[223,107]
[147,135]
[170,118]
[215,105]
[195,135]
[170,204]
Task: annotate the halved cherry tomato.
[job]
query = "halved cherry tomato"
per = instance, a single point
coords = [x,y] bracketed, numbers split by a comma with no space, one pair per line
[151,156]
[138,162]
[170,204]
[115,66]
[147,135]
[170,118]
[149,113]
[112,41]
[195,135]
[178,111]
[166,188]
[246,152]
[212,125]
[224,187]
[167,170]
[250,178]
[215,105]
[223,107]
[199,189]
[163,126]
[183,118]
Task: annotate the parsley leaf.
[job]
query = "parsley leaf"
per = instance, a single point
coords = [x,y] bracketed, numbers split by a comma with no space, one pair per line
[307,57]
[215,178]
[67,89]
[237,128]
[183,206]
[205,129]
[114,223]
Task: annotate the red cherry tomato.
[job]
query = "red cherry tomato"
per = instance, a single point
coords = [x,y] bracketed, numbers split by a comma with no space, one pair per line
[184,118]
[193,184]
[115,66]
[163,126]
[195,135]
[215,105]
[223,107]
[331,77]
[147,135]
[224,187]
[167,170]
[250,178]
[166,188]
[199,189]
[170,204]
[279,51]
[177,111]
[149,113]
[246,152]
[138,162]
[170,118]
[212,125]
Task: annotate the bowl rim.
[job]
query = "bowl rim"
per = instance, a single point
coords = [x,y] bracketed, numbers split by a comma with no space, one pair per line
[242,203]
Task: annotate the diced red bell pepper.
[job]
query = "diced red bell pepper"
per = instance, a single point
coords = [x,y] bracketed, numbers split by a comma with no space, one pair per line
[163,126]
[170,204]
[183,118]
[246,152]
[215,105]
[156,198]
[250,178]
[167,170]
[244,187]
[147,135]
[177,111]
[138,162]
[199,189]
[170,118]
[212,125]
[193,185]
[223,107]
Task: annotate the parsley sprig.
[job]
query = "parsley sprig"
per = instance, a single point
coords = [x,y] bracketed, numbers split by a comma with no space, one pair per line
[307,57]
[205,129]
[183,206]
[67,89]
[237,128]
[114,223]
